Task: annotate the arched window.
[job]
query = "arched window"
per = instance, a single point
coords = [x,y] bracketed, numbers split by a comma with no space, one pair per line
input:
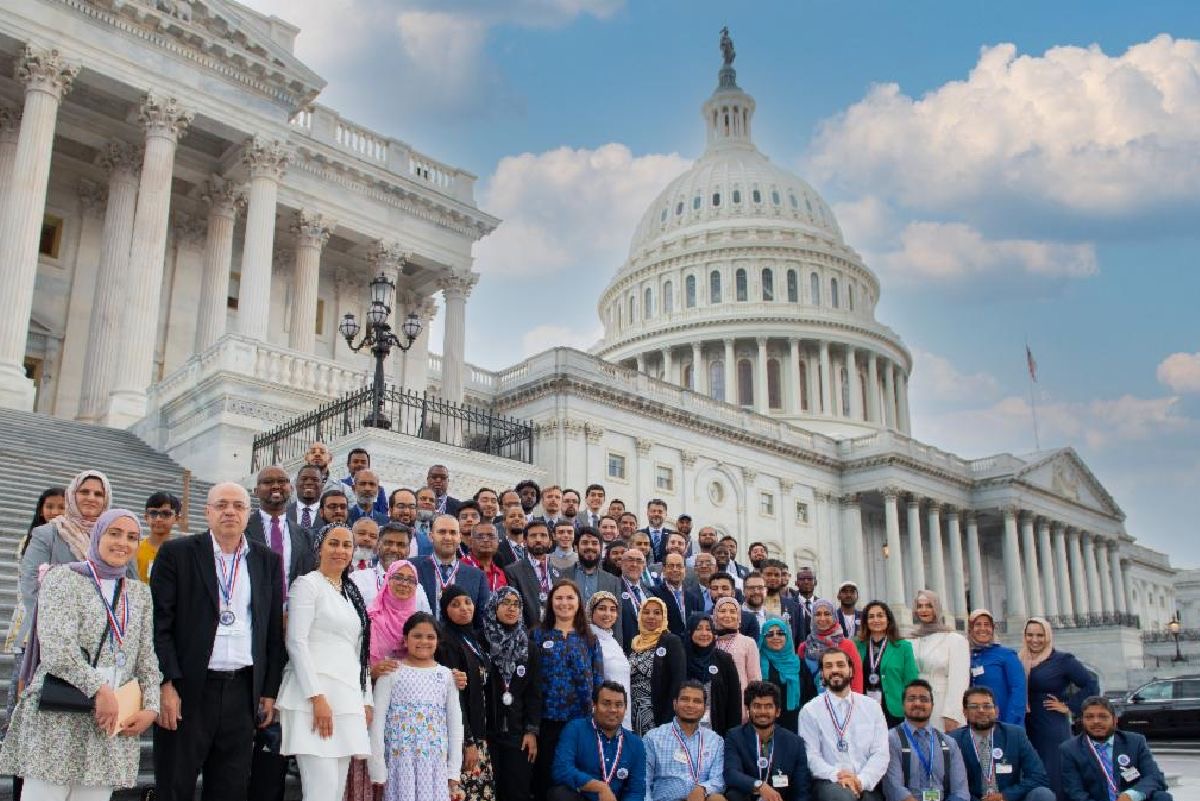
[741,287]
[745,380]
[647,304]
[696,201]
[632,306]
[737,196]
[716,380]
[845,399]
[774,385]
[793,287]
[802,385]
[850,296]
[833,293]
[756,196]
[689,376]
[689,292]
[814,281]
[714,286]
[768,284]
[668,298]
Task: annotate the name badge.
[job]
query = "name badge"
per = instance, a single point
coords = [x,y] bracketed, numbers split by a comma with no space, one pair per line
[1004,768]
[931,795]
[977,670]
[237,628]
[779,780]
[521,670]
[681,756]
[622,773]
[548,645]
[1130,774]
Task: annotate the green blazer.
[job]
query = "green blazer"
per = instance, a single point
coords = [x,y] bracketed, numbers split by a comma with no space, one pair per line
[897,668]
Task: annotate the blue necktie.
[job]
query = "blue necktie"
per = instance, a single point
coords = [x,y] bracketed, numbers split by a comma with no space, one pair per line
[1106,755]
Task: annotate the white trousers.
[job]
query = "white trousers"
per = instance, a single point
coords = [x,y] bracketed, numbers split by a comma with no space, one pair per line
[322,778]
[38,790]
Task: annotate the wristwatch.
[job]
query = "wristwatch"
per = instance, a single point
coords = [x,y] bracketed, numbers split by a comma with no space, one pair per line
[757,785]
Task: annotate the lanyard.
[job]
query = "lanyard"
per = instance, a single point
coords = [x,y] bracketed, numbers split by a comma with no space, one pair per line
[871,655]
[1106,767]
[842,726]
[228,581]
[926,758]
[444,583]
[119,599]
[379,574]
[694,767]
[634,591]
[606,773]
[765,760]
[543,574]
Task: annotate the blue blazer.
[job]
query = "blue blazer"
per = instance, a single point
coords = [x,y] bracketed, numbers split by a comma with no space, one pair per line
[788,758]
[1083,779]
[470,579]
[692,602]
[1027,771]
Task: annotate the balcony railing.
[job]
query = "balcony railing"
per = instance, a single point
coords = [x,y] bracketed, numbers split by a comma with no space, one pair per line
[415,414]
[1096,621]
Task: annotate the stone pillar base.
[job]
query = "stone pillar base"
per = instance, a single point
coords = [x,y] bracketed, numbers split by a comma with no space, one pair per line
[16,391]
[125,408]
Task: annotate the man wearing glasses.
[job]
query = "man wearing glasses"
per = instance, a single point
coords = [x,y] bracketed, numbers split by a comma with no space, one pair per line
[162,510]
[1000,761]
[484,543]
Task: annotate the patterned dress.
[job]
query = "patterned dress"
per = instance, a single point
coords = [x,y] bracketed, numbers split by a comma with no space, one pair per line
[421,732]
[641,673]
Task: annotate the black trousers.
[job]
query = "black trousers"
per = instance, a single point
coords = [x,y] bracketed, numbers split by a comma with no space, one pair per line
[215,738]
[548,736]
[511,768]
[561,792]
[268,769]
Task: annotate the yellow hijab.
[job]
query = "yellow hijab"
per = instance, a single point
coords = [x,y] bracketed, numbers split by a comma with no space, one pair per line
[648,638]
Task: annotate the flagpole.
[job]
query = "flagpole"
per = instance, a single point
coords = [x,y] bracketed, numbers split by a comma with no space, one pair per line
[1032,369]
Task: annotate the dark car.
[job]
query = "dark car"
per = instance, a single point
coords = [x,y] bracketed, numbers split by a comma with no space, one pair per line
[1163,708]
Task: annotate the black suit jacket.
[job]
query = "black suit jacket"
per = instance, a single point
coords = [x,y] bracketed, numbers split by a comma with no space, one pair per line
[452,505]
[750,625]
[304,558]
[470,579]
[658,551]
[787,758]
[1083,780]
[184,588]
[522,576]
[692,602]
[505,555]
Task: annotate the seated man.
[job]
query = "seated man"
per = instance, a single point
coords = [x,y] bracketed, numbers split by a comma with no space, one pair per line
[1103,763]
[1000,761]
[684,760]
[762,759]
[924,763]
[614,771]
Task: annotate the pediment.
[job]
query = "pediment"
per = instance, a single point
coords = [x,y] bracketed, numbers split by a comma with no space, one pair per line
[1064,474]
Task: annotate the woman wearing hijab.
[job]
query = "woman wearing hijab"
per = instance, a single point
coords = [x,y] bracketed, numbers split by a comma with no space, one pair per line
[727,617]
[325,698]
[824,634]
[460,648]
[943,659]
[887,660]
[1050,674]
[714,669]
[780,665]
[602,611]
[657,665]
[93,629]
[514,695]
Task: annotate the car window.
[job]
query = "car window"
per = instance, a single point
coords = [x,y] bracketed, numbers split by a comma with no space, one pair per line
[1157,691]
[1187,688]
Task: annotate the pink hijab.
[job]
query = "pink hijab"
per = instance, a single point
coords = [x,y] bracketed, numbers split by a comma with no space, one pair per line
[388,615]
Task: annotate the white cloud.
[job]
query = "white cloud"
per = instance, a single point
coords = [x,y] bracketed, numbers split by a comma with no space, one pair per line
[443,51]
[1181,372]
[545,337]
[937,380]
[569,208]
[942,250]
[1073,129]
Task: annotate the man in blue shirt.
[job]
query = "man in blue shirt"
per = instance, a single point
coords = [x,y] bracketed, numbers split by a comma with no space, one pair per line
[684,761]
[1102,763]
[924,762]
[578,771]
[998,668]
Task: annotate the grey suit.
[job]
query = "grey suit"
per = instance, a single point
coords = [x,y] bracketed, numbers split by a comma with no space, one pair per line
[606,582]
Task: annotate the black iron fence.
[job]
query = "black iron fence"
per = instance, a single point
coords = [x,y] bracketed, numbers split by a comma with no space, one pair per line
[414,414]
[1184,635]
[1096,621]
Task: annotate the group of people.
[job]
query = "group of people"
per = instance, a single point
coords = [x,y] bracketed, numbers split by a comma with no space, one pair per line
[522,645]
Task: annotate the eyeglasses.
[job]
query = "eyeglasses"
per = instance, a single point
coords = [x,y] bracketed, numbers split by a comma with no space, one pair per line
[404,580]
[918,699]
[155,514]
[404,506]
[222,506]
[491,535]
[981,707]
[776,633]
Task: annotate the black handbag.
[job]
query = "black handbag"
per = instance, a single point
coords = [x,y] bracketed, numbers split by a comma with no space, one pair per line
[59,695]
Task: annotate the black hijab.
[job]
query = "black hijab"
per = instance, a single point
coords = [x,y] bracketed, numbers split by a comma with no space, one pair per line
[700,660]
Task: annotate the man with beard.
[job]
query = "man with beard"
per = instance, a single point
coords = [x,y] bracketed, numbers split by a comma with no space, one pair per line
[778,604]
[706,539]
[530,494]
[511,548]
[468,517]
[681,602]
[552,497]
[806,590]
[1103,762]
[849,616]
[922,758]
[563,556]
[489,505]
[437,478]
[357,460]
[723,553]
[610,532]
[997,667]
[366,535]
[533,576]
[845,736]
[656,515]
[393,543]
[306,508]
[616,508]
[721,586]
[1001,763]
[762,759]
[704,569]
[275,528]
[443,568]
[426,512]
[633,591]
[755,589]
[319,456]
[685,760]
[570,508]
[757,555]
[586,572]
[596,757]
[404,511]
[730,542]
[683,525]
[335,506]
[627,525]
[366,495]
[484,542]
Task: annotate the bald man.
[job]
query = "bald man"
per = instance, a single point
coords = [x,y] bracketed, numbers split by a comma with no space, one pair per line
[444,567]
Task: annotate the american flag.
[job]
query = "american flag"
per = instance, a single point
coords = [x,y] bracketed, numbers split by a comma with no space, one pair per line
[1032,363]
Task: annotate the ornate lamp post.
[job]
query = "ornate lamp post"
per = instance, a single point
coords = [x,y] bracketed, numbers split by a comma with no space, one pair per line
[380,338]
[1173,626]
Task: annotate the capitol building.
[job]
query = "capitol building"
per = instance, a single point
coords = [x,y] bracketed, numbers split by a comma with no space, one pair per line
[183,226]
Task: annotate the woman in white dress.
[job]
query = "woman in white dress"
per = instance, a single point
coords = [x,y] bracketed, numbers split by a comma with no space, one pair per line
[325,699]
[602,612]
[943,659]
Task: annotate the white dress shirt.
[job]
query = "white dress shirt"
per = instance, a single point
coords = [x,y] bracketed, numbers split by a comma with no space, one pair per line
[233,646]
[370,581]
[866,735]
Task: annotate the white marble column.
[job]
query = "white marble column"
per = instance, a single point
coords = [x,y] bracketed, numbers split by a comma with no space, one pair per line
[835,367]
[312,233]
[889,395]
[1095,599]
[165,122]
[1118,580]
[826,381]
[937,555]
[699,373]
[455,289]
[668,363]
[47,77]
[813,368]
[872,388]
[122,161]
[975,563]
[956,595]
[1105,575]
[641,362]
[1049,583]
[762,402]
[731,387]
[1079,585]
[1033,587]
[1013,585]
[904,421]
[266,162]
[415,361]
[854,549]
[856,392]
[794,400]
[224,198]
[10,130]
[1066,604]
[895,561]
[916,548]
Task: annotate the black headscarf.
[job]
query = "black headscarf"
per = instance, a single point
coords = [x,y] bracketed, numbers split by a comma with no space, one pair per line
[699,660]
[350,593]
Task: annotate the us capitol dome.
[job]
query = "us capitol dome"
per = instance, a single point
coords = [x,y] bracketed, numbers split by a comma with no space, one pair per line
[739,285]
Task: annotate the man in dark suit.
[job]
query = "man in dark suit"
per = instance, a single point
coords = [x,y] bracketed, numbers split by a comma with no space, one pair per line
[777,603]
[633,592]
[656,514]
[806,594]
[681,602]
[1103,757]
[512,537]
[721,586]
[534,576]
[736,567]
[306,506]
[590,577]
[443,568]
[218,634]
[785,776]
[359,459]
[1017,773]
[438,479]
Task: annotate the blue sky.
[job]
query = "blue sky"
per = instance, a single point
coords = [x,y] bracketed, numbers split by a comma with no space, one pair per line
[1010,170]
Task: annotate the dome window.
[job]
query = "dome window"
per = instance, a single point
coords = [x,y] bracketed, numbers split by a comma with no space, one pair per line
[774,385]
[741,286]
[679,208]
[808,203]
[768,285]
[696,201]
[792,199]
[850,296]
[663,216]
[648,304]
[668,298]
[737,196]
[716,379]
[689,291]
[716,199]
[775,196]
[793,287]
[814,281]
[745,381]
[756,196]
[632,303]
[714,286]
[833,292]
